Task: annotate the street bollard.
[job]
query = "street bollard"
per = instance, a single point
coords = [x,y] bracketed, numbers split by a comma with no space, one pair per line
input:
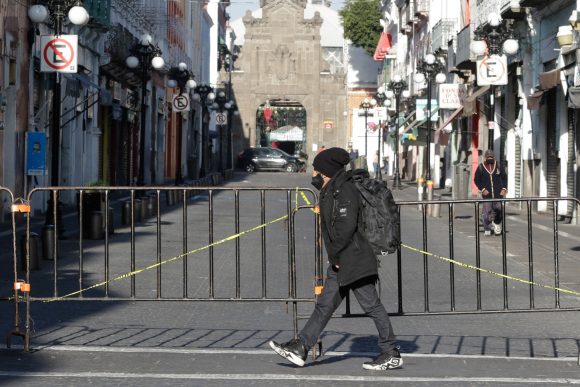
[111,221]
[137,209]
[429,195]
[144,205]
[48,242]
[34,252]
[420,189]
[126,218]
[96,226]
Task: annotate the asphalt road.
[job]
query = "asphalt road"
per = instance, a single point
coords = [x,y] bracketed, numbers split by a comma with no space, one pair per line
[185,343]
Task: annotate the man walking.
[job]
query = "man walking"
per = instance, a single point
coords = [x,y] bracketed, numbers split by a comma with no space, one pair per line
[491,180]
[352,264]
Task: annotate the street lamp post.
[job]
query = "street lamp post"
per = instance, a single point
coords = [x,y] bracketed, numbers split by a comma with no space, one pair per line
[428,70]
[180,77]
[145,56]
[226,60]
[397,87]
[221,103]
[493,38]
[367,105]
[381,99]
[204,94]
[53,13]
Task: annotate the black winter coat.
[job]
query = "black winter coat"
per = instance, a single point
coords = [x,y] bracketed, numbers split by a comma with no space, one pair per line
[345,244]
[493,181]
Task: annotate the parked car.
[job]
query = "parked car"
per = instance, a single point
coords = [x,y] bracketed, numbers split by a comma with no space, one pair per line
[258,159]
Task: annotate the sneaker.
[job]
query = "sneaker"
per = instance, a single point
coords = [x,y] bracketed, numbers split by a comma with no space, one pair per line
[497,229]
[487,233]
[385,361]
[294,351]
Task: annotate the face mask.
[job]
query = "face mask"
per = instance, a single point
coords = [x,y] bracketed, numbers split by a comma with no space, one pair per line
[489,161]
[317,181]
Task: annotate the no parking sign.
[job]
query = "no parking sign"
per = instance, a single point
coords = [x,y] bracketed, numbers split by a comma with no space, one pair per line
[59,53]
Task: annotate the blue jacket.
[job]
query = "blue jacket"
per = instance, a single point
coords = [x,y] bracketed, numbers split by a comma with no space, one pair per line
[493,181]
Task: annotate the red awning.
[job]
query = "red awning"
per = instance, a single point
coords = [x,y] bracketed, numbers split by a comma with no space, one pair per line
[383,46]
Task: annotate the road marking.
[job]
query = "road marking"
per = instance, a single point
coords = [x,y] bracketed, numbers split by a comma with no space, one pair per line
[337,378]
[544,228]
[234,351]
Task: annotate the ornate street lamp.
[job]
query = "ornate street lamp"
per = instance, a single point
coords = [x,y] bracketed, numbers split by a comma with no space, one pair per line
[226,60]
[181,77]
[53,12]
[145,57]
[397,88]
[430,69]
[493,38]
[365,106]
[222,104]
[382,100]
[204,94]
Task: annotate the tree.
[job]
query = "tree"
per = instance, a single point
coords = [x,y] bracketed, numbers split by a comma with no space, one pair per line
[361,20]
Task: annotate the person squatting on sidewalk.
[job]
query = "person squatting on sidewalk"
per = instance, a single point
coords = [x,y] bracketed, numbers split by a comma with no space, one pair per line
[352,264]
[491,180]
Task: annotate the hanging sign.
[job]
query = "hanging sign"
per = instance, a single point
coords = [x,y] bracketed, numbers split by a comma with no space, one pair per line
[59,53]
[492,70]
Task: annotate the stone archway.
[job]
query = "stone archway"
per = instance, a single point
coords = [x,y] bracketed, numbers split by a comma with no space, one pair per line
[282,59]
[282,124]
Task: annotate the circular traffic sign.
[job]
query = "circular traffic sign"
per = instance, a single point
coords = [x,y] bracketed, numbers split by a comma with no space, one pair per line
[221,118]
[180,103]
[60,58]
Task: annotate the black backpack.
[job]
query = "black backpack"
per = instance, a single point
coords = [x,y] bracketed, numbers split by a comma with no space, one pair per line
[380,216]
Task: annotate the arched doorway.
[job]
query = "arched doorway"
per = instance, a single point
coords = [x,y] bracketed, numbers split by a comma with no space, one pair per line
[282,124]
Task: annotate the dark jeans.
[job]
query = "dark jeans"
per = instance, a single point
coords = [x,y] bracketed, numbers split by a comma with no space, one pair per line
[331,298]
[491,212]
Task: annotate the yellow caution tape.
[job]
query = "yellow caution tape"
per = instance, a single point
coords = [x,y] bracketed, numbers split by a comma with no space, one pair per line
[468,266]
[132,273]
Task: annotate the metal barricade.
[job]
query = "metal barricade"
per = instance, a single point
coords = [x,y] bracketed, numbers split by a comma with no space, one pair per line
[428,245]
[244,211]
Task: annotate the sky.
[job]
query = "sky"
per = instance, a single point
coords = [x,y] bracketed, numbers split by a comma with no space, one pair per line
[238,8]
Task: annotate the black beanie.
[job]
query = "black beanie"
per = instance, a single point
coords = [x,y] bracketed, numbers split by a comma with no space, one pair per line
[330,161]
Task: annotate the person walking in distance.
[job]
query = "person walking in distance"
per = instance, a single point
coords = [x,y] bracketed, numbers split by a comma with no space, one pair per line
[491,180]
[352,265]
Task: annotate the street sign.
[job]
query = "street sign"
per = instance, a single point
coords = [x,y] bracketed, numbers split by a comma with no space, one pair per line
[59,53]
[381,113]
[221,118]
[180,103]
[492,70]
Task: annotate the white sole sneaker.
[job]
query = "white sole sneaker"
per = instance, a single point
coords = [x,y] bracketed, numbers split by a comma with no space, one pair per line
[291,357]
[392,363]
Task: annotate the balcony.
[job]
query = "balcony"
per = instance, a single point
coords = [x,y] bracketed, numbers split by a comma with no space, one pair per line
[422,8]
[463,54]
[442,33]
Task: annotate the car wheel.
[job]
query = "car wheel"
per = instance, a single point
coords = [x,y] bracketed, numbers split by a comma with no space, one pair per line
[291,167]
[250,168]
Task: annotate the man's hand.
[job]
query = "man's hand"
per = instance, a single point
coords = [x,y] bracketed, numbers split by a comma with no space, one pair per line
[484,192]
[503,192]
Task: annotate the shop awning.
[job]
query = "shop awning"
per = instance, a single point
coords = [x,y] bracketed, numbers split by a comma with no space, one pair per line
[469,103]
[287,133]
[534,100]
[574,97]
[407,119]
[382,47]
[451,118]
[549,79]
